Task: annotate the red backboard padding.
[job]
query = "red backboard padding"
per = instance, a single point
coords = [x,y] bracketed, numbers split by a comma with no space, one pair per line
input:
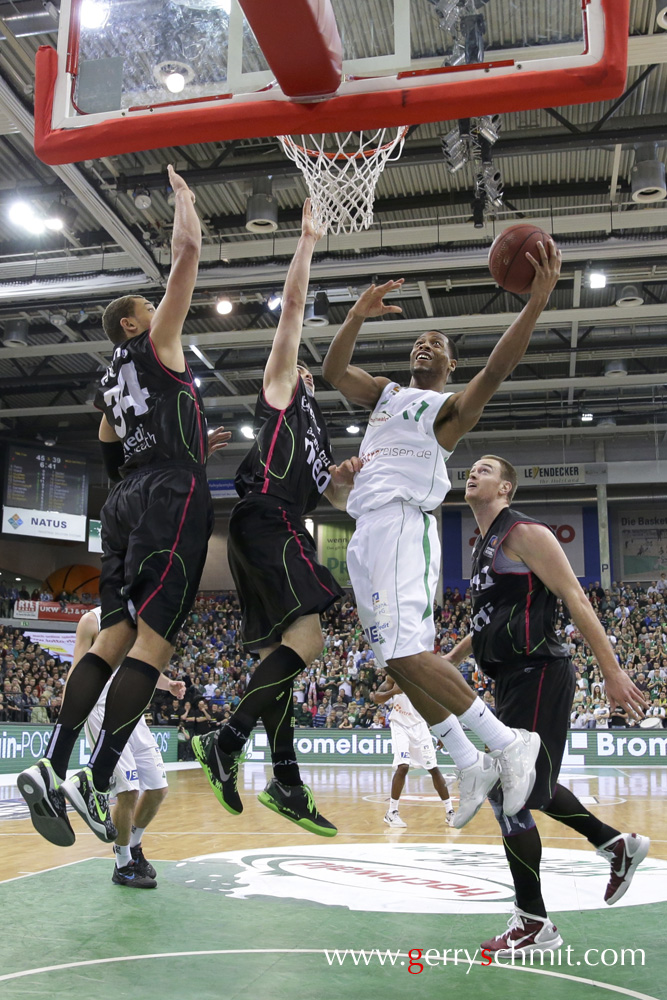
[300,42]
[446,99]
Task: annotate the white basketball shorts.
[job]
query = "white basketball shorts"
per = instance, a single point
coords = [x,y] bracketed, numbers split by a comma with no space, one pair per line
[413,746]
[394,561]
[140,766]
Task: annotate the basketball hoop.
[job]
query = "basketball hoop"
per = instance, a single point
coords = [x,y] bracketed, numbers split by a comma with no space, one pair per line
[342,183]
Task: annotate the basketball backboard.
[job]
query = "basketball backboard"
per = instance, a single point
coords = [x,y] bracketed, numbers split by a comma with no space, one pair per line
[142,74]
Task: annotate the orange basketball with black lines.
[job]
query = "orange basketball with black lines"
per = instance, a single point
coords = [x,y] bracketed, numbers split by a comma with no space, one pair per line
[508,264]
[78,579]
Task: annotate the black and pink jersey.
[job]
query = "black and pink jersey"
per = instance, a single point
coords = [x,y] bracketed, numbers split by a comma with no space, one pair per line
[156,412]
[291,453]
[513,612]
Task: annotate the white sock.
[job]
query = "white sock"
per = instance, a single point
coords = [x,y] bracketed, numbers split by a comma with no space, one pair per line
[483,722]
[448,805]
[136,835]
[455,742]
[123,855]
[393,805]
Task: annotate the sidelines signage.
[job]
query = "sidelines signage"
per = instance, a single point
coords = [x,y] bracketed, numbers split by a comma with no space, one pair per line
[222,488]
[49,611]
[585,748]
[565,521]
[565,474]
[23,745]
[94,536]
[44,524]
[59,643]
[332,542]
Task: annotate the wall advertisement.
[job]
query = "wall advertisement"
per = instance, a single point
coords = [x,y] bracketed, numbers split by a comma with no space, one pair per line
[23,745]
[566,521]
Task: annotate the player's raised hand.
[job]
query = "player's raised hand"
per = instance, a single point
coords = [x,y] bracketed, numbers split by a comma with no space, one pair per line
[343,474]
[217,439]
[308,227]
[177,183]
[547,269]
[622,692]
[370,303]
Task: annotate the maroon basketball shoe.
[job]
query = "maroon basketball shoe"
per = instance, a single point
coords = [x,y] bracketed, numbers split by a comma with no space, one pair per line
[525,932]
[623,853]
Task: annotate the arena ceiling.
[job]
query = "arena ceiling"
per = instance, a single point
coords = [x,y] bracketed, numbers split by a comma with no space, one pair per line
[568,167]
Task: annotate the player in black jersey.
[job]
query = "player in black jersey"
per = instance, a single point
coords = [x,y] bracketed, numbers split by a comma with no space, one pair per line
[155,528]
[282,588]
[519,571]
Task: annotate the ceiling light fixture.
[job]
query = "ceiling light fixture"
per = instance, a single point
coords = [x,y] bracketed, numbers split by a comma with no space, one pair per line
[317,312]
[274,301]
[175,83]
[224,307]
[587,418]
[597,279]
[94,15]
[352,429]
[142,199]
[247,432]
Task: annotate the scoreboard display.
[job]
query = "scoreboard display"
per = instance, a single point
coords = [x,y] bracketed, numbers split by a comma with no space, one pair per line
[45,494]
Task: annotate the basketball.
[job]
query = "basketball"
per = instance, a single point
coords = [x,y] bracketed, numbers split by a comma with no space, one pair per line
[508,263]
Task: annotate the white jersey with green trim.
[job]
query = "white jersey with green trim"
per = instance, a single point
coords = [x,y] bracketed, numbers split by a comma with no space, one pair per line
[401,459]
[403,712]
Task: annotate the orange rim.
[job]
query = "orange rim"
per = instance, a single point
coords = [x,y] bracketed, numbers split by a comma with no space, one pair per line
[362,154]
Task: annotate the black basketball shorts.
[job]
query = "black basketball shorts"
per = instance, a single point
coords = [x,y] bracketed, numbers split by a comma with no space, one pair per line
[155,530]
[273,560]
[539,698]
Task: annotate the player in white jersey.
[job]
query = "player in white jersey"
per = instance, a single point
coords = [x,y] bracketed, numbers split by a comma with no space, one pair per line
[393,558]
[412,744]
[140,777]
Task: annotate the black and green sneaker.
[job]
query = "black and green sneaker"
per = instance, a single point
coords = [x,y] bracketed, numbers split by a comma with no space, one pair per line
[296,803]
[221,769]
[91,805]
[40,787]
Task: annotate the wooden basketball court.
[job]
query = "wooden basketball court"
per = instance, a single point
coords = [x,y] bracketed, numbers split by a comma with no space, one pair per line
[252,906]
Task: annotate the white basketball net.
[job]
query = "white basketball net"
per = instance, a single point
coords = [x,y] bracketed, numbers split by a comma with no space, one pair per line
[342,181]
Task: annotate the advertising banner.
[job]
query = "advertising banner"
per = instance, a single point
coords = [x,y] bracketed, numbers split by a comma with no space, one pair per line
[44,524]
[59,643]
[94,535]
[555,474]
[566,521]
[643,545]
[23,745]
[332,542]
[50,611]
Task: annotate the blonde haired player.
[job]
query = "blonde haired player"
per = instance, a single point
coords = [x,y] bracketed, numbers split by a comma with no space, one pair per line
[412,743]
[140,779]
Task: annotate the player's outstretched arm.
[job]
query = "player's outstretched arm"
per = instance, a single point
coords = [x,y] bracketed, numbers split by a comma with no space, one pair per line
[461,411]
[280,374]
[355,383]
[535,545]
[167,324]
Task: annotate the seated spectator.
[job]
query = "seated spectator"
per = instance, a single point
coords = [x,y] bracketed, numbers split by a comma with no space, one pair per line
[40,714]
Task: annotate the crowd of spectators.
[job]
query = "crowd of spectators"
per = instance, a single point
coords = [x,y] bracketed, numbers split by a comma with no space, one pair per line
[335,691]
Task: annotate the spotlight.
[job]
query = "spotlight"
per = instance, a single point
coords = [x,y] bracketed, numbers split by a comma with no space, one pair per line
[274,301]
[60,216]
[661,13]
[94,15]
[16,333]
[629,296]
[597,279]
[617,368]
[198,382]
[142,199]
[247,432]
[22,214]
[352,429]
[224,307]
[262,208]
[317,313]
[488,126]
[58,319]
[587,418]
[454,151]
[648,175]
[173,74]
[490,182]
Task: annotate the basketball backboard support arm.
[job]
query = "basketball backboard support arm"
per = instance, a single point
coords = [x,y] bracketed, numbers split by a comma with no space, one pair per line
[415,95]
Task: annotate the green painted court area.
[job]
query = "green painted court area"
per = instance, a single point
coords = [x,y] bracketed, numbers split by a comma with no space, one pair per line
[70,932]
